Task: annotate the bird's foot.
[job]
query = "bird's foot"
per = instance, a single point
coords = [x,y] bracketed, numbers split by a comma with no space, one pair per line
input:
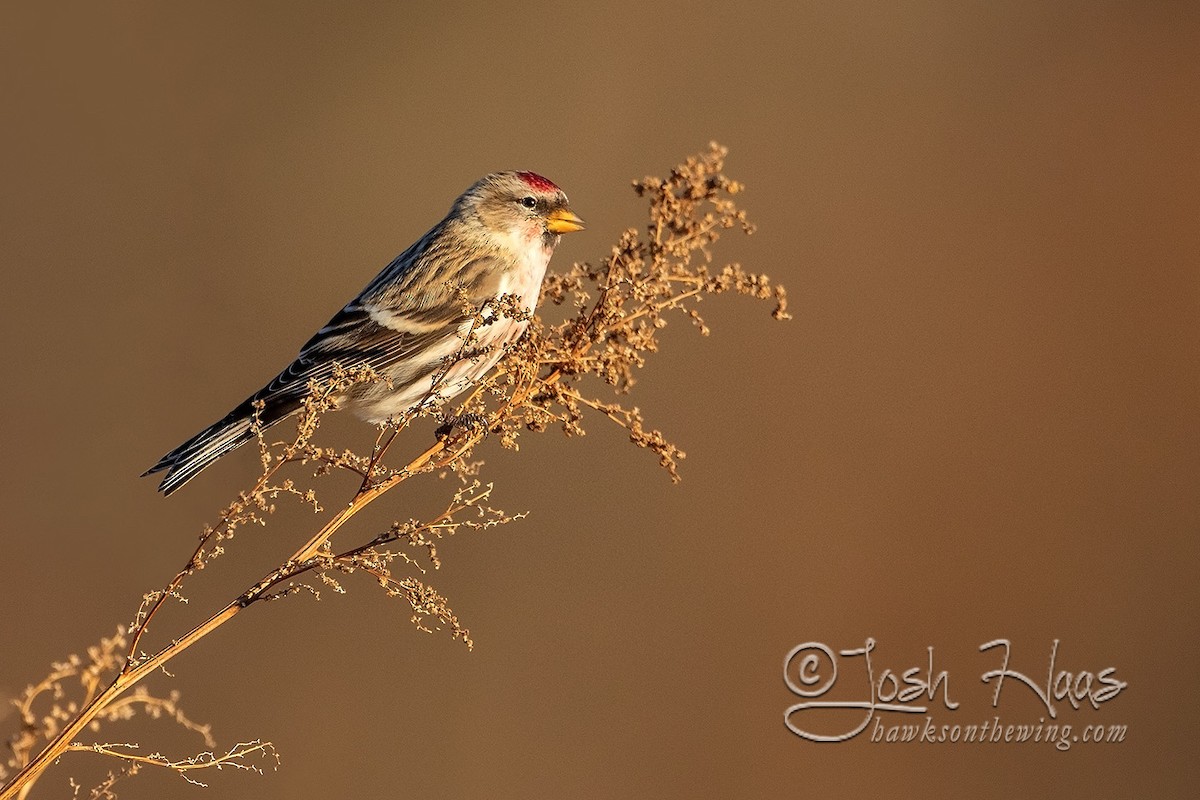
[473,423]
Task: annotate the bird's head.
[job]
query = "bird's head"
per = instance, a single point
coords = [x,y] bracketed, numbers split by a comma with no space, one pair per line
[530,209]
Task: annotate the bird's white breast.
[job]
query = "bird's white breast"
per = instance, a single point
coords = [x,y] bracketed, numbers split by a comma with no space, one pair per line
[524,277]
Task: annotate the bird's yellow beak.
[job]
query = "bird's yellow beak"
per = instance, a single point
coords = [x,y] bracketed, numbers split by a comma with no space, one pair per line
[561,220]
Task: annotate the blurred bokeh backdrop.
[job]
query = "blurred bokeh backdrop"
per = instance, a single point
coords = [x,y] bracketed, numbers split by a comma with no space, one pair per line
[981,424]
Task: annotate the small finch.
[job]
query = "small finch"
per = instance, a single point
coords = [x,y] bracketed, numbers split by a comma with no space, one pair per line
[418,312]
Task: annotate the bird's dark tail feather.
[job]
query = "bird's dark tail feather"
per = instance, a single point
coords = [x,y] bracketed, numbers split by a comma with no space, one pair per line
[190,458]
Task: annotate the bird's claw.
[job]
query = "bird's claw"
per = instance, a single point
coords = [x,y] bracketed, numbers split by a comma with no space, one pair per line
[474,423]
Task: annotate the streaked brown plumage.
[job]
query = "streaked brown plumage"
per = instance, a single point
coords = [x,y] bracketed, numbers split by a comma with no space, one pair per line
[497,239]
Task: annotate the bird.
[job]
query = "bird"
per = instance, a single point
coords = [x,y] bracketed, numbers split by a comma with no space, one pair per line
[497,239]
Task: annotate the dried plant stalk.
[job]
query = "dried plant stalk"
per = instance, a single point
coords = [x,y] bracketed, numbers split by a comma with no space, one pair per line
[617,309]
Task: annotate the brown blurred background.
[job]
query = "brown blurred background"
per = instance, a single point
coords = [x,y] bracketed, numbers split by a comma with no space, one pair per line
[981,424]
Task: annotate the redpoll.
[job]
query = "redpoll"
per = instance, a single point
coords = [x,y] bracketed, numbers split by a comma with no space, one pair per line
[414,317]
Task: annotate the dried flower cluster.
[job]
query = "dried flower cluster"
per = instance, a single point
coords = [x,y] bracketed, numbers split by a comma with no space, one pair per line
[47,706]
[618,308]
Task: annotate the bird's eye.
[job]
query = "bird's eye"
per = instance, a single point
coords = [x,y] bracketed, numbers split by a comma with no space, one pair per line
[528,202]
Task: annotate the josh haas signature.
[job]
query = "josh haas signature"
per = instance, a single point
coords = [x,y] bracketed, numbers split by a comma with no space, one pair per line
[899,693]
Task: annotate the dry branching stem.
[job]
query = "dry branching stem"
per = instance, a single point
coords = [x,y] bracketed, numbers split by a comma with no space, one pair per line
[619,308]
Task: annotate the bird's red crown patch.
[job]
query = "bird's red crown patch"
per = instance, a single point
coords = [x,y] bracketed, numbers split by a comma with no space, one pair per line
[537,182]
